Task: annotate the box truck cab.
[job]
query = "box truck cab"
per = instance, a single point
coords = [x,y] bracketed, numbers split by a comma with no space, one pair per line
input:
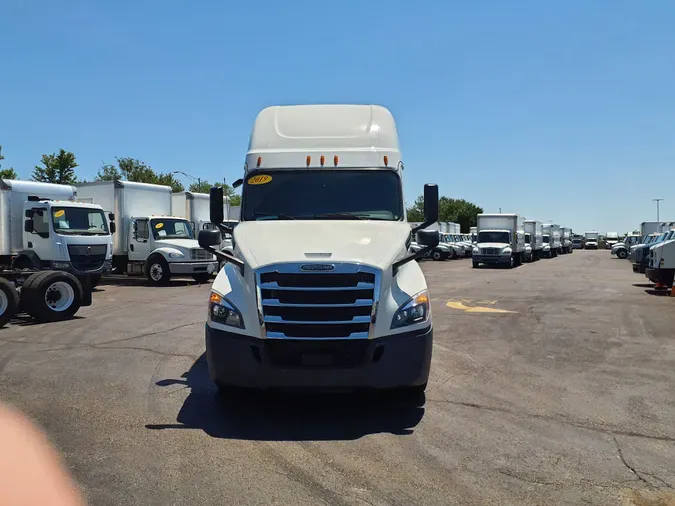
[501,240]
[43,227]
[591,240]
[621,249]
[342,305]
[551,238]
[150,240]
[641,252]
[611,240]
[566,240]
[534,240]
[661,265]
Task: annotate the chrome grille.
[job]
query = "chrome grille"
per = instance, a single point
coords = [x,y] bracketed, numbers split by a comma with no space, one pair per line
[339,304]
[200,254]
[489,251]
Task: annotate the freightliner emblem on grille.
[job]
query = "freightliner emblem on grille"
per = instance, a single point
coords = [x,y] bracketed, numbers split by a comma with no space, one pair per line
[317,267]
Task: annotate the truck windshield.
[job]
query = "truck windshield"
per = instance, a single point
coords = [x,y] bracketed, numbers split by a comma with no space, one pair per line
[168,228]
[322,195]
[79,221]
[546,238]
[503,237]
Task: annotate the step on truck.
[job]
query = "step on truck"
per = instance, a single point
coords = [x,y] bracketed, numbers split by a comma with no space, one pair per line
[501,240]
[338,303]
[53,249]
[534,240]
[150,242]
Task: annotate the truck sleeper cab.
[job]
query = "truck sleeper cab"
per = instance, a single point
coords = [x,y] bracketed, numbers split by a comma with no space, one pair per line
[341,306]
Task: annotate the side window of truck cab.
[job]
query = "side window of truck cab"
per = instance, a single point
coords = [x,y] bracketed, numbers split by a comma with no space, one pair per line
[141,230]
[40,223]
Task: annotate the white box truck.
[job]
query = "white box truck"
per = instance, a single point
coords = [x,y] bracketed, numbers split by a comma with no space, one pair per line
[194,207]
[150,240]
[342,304]
[43,228]
[591,239]
[611,240]
[566,240]
[501,240]
[551,236]
[534,240]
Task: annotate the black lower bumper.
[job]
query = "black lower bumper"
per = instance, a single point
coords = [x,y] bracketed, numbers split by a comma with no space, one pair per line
[639,268]
[663,276]
[401,360]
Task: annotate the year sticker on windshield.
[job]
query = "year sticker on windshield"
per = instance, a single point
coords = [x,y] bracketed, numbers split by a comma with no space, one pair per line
[260,179]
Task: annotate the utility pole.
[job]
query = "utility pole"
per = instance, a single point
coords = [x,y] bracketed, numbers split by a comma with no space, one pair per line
[657,207]
[500,210]
[198,179]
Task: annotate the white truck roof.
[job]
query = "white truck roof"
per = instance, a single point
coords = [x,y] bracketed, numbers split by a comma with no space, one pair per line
[288,137]
[47,190]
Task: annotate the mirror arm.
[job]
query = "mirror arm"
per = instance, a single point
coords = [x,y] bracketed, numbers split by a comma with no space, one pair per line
[422,226]
[419,254]
[228,258]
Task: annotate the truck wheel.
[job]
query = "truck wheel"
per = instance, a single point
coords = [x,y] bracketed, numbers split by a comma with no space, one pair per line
[9,301]
[512,261]
[437,255]
[202,277]
[52,296]
[157,271]
[622,253]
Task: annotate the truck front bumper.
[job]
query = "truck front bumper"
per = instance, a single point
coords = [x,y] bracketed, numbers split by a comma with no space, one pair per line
[193,267]
[663,276]
[401,360]
[639,268]
[492,259]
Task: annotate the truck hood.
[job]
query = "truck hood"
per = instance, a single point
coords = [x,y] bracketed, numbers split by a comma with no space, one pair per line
[179,244]
[375,243]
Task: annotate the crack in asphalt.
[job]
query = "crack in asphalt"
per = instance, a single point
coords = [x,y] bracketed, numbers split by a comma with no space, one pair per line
[577,425]
[628,466]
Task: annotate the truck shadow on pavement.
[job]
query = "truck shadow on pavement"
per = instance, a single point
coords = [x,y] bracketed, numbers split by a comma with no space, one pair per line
[288,416]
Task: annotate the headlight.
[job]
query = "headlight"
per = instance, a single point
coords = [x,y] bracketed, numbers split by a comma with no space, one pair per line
[176,254]
[223,311]
[507,251]
[476,250]
[415,310]
[61,265]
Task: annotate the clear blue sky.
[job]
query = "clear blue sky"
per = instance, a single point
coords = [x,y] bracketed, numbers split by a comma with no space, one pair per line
[560,110]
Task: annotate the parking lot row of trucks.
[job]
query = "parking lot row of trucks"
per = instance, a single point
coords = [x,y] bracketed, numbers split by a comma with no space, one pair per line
[510,240]
[452,245]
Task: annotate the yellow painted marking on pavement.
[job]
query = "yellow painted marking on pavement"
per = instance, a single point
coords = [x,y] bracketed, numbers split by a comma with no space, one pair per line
[475,309]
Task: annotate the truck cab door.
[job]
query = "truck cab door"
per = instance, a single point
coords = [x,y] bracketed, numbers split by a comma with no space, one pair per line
[37,234]
[140,243]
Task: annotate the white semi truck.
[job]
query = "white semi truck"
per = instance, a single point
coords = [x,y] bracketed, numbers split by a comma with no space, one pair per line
[44,229]
[342,304]
[611,240]
[591,240]
[534,240]
[150,240]
[501,240]
[566,240]
[552,243]
[661,264]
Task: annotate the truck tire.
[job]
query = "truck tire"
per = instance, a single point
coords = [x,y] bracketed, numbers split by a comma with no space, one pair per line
[202,277]
[157,271]
[437,255]
[622,253]
[52,296]
[9,301]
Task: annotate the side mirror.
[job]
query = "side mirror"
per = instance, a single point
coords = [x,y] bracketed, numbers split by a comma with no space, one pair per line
[429,238]
[431,203]
[238,183]
[209,238]
[113,228]
[215,206]
[111,216]
[28,226]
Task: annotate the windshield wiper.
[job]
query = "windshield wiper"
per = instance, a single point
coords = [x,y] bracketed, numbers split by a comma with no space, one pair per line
[263,214]
[346,216]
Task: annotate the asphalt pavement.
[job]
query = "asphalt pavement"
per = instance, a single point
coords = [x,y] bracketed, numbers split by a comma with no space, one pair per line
[552,383]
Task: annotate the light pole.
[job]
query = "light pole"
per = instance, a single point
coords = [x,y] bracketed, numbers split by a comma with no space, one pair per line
[657,207]
[199,181]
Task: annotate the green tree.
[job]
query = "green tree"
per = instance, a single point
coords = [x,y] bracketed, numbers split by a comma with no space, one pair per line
[131,169]
[205,187]
[235,200]
[9,173]
[58,168]
[456,210]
